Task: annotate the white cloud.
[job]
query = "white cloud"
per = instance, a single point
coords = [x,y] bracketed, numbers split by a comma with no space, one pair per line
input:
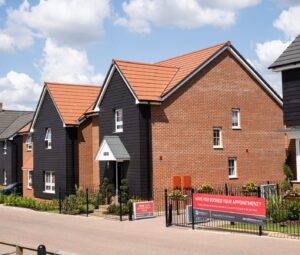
[267,53]
[19,91]
[66,64]
[141,15]
[288,21]
[68,22]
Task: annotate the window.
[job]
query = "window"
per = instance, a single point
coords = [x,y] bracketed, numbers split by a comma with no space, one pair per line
[119,120]
[235,117]
[4,177]
[232,168]
[29,143]
[49,182]
[5,147]
[217,137]
[30,177]
[48,139]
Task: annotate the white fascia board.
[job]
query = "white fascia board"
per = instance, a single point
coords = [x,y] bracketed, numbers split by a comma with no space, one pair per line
[284,68]
[191,75]
[103,91]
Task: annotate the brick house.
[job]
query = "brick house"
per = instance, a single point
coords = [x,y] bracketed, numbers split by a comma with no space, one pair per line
[27,163]
[63,128]
[206,114]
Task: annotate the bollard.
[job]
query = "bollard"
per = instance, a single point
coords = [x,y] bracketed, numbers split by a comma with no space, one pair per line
[87,202]
[41,250]
[130,211]
[193,217]
[19,250]
[166,207]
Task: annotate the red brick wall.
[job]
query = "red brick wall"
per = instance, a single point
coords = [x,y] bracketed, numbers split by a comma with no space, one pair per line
[182,129]
[88,146]
[27,156]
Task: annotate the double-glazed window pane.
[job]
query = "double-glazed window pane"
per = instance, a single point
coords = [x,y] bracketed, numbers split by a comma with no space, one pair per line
[217,137]
[119,120]
[49,182]
[235,113]
[232,167]
[48,138]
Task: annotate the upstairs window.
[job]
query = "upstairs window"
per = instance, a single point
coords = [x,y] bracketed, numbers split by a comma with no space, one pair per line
[119,120]
[30,177]
[49,182]
[232,167]
[48,139]
[5,147]
[4,177]
[217,138]
[29,143]
[235,118]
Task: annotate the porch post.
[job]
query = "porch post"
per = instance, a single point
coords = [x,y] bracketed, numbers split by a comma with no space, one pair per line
[117,181]
[297,141]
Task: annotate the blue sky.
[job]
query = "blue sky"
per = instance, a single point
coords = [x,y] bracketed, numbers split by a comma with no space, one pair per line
[75,40]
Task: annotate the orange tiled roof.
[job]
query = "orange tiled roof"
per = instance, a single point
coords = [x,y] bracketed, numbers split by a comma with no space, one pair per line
[72,100]
[151,81]
[26,128]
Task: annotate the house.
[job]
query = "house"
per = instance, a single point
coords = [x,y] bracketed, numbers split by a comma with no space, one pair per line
[11,122]
[27,163]
[58,137]
[206,114]
[288,63]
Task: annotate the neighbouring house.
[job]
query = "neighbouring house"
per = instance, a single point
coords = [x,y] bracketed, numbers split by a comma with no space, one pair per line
[11,154]
[27,166]
[206,114]
[288,63]
[60,130]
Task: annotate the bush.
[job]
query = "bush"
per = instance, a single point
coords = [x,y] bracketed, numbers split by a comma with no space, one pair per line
[286,185]
[294,210]
[115,209]
[206,188]
[288,172]
[251,187]
[277,209]
[124,191]
[105,192]
[177,194]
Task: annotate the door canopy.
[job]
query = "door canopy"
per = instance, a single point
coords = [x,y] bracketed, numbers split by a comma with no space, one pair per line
[112,149]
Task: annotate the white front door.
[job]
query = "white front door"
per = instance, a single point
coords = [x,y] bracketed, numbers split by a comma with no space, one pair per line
[297,141]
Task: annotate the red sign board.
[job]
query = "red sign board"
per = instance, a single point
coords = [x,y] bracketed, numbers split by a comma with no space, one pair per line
[143,210]
[230,204]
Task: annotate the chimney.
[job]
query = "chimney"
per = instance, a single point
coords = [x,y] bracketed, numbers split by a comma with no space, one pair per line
[1,106]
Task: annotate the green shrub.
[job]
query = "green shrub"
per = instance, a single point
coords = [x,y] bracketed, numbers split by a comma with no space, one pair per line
[206,188]
[177,194]
[294,210]
[286,185]
[115,209]
[288,172]
[105,191]
[277,209]
[251,187]
[124,191]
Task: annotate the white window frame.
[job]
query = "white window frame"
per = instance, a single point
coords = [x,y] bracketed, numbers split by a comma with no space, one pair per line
[232,176]
[49,184]
[29,143]
[236,110]
[220,145]
[4,177]
[119,120]
[29,184]
[48,140]
[5,147]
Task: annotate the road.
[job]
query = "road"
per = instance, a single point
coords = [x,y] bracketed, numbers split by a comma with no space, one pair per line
[93,235]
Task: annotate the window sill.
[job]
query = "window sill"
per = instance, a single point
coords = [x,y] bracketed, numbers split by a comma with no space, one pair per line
[117,132]
[236,128]
[49,192]
[29,188]
[233,177]
[218,147]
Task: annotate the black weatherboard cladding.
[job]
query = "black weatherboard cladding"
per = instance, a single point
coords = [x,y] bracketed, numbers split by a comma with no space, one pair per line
[134,135]
[61,158]
[291,97]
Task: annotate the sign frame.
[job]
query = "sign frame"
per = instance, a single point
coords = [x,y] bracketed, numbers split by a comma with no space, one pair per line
[144,214]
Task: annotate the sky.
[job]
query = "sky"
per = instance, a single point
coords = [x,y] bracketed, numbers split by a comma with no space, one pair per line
[74,41]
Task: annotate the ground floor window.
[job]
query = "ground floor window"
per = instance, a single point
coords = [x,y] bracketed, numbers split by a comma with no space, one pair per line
[232,167]
[30,177]
[49,182]
[4,177]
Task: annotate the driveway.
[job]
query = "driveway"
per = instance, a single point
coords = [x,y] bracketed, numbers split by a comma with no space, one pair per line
[94,235]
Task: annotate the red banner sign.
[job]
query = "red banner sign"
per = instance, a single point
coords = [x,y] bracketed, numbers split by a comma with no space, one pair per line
[230,204]
[143,210]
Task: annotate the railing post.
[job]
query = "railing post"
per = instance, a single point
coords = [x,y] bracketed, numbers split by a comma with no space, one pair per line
[87,202]
[277,189]
[166,207]
[226,189]
[170,213]
[59,200]
[260,231]
[193,218]
[41,250]
[120,204]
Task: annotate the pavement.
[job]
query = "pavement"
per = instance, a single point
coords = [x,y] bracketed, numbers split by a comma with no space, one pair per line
[93,235]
